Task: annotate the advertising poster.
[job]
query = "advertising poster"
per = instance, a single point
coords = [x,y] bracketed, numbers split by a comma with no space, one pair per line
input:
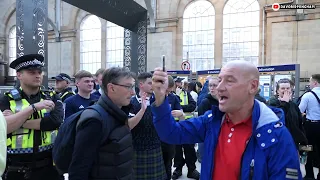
[265,86]
[277,77]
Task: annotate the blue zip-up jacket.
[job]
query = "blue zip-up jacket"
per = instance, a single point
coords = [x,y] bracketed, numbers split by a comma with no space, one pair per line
[204,92]
[270,153]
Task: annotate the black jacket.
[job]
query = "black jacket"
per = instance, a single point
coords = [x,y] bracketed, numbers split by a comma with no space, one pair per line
[66,93]
[112,159]
[260,98]
[206,104]
[293,119]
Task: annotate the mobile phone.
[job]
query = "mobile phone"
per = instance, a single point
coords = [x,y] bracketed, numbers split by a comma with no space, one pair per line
[163,63]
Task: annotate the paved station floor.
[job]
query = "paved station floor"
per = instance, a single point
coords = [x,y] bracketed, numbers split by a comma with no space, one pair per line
[185,171]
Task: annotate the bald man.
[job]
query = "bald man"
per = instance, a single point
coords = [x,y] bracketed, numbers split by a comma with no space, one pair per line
[243,138]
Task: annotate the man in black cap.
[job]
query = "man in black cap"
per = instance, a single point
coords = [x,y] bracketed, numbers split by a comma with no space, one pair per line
[188,106]
[33,116]
[62,86]
[178,82]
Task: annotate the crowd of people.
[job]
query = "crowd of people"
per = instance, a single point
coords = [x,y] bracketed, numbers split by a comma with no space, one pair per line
[146,127]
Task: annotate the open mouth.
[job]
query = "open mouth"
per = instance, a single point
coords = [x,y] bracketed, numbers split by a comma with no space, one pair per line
[223,99]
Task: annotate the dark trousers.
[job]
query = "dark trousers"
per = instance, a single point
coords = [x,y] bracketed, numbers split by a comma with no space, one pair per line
[189,154]
[313,135]
[168,152]
[44,173]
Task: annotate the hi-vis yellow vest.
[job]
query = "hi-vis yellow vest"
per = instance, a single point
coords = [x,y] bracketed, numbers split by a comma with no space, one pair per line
[184,101]
[21,140]
[66,93]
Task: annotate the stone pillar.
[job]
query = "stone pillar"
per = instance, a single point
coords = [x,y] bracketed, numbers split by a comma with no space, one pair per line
[32,34]
[135,47]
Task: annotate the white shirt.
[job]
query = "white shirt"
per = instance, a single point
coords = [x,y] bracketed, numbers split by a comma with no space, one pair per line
[310,104]
[194,95]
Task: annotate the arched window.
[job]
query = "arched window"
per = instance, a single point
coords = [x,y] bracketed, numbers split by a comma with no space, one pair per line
[115,47]
[12,49]
[241,31]
[198,35]
[90,44]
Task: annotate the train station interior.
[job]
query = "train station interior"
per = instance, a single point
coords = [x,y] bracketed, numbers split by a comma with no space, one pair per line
[197,37]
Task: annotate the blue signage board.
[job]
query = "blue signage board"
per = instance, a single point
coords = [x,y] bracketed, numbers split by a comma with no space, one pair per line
[177,72]
[206,72]
[288,67]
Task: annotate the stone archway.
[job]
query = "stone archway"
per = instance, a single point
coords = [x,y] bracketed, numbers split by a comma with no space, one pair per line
[8,15]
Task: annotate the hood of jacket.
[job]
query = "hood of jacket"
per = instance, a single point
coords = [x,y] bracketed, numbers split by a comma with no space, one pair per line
[261,115]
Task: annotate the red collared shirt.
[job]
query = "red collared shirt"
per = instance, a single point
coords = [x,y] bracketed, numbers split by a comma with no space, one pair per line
[232,142]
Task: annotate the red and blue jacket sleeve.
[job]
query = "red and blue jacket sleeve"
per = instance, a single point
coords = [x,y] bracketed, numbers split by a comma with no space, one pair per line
[183,132]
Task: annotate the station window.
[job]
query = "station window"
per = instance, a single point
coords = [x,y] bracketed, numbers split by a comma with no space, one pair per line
[198,35]
[115,46]
[90,44]
[241,31]
[12,49]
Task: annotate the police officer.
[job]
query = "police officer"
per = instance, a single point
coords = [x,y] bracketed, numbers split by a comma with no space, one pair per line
[188,105]
[33,116]
[62,86]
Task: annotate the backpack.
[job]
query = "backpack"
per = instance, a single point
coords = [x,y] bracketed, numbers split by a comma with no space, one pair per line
[65,141]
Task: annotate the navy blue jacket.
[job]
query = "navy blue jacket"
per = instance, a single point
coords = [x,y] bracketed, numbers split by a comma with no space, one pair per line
[204,92]
[270,153]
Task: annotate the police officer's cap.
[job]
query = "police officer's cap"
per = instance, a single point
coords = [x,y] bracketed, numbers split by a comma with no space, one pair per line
[178,79]
[30,61]
[62,77]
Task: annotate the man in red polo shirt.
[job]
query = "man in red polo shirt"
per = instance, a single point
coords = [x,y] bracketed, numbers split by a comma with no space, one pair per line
[243,138]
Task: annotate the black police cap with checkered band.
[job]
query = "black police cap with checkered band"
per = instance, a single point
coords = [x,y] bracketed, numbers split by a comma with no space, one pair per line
[30,61]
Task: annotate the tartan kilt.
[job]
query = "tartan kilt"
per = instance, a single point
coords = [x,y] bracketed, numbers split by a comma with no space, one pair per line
[149,165]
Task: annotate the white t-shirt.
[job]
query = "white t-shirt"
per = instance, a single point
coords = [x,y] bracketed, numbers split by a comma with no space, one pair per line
[3,144]
[194,95]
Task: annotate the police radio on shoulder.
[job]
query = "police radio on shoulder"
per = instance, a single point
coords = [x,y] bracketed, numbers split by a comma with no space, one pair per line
[15,94]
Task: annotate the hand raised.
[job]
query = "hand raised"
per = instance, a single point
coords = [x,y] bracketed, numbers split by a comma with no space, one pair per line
[286,96]
[159,85]
[144,101]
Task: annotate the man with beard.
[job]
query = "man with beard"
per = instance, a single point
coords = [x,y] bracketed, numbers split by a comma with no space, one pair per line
[146,143]
[190,157]
[33,116]
[243,138]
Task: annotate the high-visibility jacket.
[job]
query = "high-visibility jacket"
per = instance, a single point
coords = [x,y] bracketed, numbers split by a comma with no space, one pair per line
[21,141]
[66,93]
[184,101]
